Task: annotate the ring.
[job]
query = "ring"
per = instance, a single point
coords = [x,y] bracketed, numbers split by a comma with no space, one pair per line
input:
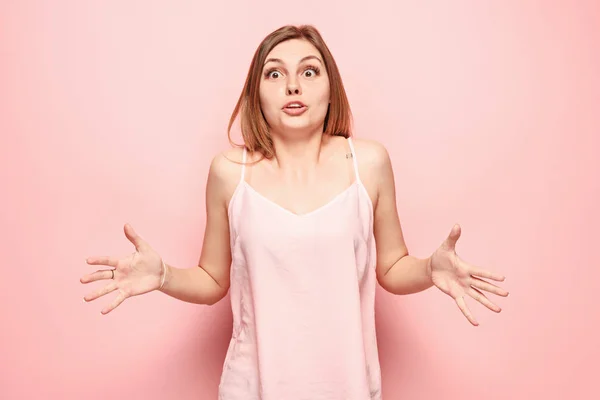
[112,271]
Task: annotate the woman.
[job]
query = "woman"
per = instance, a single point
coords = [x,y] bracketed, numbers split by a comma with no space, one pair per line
[301,224]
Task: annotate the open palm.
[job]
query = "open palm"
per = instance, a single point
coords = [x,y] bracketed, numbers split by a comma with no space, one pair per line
[135,274]
[457,278]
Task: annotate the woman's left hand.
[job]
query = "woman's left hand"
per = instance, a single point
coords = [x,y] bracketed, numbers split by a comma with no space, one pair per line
[457,278]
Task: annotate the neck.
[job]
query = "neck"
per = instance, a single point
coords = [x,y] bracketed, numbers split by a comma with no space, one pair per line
[299,152]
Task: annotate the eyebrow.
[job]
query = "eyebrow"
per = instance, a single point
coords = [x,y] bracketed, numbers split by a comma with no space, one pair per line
[278,60]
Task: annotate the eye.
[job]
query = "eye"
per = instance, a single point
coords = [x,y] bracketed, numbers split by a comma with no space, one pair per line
[273,74]
[311,72]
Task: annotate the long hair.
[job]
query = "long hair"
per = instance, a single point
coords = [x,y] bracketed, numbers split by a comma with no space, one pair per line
[254,127]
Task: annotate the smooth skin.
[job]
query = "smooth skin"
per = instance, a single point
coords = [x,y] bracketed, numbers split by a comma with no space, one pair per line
[308,171]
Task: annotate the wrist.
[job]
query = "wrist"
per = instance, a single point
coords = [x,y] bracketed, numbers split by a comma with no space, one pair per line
[428,269]
[163,275]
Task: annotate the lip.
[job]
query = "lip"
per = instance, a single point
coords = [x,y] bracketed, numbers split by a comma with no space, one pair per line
[294,102]
[294,111]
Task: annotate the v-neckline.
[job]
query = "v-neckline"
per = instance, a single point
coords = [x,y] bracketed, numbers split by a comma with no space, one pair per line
[332,201]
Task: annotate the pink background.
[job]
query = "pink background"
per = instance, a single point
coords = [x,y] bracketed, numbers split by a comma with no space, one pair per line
[110,112]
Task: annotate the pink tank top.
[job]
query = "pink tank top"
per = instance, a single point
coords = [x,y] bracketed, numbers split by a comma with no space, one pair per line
[302,295]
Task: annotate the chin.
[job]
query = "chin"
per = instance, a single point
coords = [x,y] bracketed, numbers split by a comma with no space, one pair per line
[301,123]
[298,127]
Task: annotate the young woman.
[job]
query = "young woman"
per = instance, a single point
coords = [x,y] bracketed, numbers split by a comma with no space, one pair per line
[301,224]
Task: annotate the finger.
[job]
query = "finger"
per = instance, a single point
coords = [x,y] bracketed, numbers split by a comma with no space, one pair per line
[482,298]
[101,292]
[450,242]
[133,237]
[462,305]
[488,287]
[482,273]
[103,260]
[98,275]
[115,303]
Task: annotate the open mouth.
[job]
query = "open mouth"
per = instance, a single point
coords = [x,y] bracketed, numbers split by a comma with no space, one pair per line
[294,108]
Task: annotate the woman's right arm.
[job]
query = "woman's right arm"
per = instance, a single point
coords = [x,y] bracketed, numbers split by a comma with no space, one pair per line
[143,271]
[209,281]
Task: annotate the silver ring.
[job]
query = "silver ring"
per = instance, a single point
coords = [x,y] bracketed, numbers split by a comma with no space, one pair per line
[112,271]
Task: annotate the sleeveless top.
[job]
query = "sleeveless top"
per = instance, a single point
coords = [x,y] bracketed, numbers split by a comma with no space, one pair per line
[302,295]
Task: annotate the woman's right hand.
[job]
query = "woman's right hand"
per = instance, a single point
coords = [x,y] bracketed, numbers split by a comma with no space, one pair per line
[139,273]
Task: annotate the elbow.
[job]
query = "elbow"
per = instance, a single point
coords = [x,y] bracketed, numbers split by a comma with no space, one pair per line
[385,283]
[216,296]
[383,279]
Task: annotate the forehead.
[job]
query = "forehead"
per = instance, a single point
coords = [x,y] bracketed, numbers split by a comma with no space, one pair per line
[293,50]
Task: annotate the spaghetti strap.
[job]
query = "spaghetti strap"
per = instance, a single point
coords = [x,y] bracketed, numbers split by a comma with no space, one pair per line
[354,159]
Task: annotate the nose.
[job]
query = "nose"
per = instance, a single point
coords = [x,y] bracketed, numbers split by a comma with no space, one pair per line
[293,88]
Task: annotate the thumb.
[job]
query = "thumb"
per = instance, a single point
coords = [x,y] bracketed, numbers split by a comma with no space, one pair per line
[450,242]
[133,237]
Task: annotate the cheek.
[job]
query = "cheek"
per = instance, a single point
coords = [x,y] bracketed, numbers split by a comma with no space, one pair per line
[321,92]
[322,97]
[326,95]
[263,97]
[268,104]
[268,96]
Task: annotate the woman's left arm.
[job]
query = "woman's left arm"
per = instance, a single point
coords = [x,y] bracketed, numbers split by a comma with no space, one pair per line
[399,272]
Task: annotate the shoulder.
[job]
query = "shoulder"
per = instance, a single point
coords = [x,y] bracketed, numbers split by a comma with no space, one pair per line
[227,164]
[225,173]
[374,166]
[371,154]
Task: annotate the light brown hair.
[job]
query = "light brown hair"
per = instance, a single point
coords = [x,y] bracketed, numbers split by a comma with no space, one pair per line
[255,131]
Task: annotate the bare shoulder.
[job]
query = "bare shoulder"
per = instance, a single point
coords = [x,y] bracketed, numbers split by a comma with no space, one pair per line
[372,155]
[227,164]
[225,173]
[374,166]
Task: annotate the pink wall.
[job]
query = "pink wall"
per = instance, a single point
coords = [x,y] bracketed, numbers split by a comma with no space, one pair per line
[111,111]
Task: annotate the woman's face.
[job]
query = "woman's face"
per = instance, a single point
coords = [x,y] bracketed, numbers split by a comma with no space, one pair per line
[294,88]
